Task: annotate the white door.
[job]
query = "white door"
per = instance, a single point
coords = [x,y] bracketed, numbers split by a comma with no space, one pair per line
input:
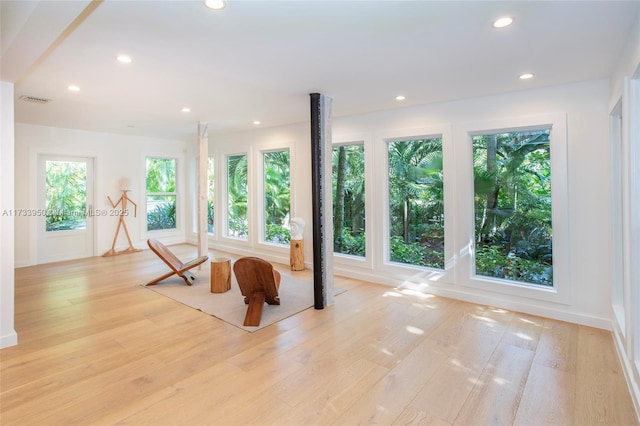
[65,195]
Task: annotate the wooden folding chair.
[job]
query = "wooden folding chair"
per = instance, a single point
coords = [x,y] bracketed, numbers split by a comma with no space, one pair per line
[259,283]
[172,261]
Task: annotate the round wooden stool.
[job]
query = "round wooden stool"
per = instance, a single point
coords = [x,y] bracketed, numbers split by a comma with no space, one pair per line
[220,275]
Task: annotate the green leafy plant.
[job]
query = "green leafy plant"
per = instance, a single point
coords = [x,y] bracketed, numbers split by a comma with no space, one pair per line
[163,216]
[66,195]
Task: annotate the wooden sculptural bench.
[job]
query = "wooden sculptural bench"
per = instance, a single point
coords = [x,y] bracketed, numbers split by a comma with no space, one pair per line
[172,261]
[259,283]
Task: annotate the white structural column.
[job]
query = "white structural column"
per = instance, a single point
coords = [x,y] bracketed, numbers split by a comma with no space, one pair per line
[8,336]
[203,187]
[322,195]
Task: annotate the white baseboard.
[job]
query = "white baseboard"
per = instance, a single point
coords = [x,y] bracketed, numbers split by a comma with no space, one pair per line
[459,293]
[7,340]
[628,370]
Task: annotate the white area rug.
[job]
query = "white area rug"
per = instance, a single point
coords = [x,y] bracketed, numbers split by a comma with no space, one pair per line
[296,295]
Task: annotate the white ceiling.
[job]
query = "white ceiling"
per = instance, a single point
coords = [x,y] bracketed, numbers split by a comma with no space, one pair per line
[259,60]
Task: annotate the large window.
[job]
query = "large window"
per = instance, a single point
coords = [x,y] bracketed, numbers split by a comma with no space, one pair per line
[161,193]
[348,199]
[512,206]
[416,202]
[237,219]
[277,183]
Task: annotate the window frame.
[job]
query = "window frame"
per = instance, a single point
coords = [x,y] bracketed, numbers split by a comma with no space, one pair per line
[417,275]
[465,245]
[175,194]
[225,218]
[619,238]
[347,259]
[633,299]
[261,195]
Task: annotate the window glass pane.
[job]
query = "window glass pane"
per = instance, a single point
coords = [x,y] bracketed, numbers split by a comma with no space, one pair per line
[512,199]
[276,196]
[348,200]
[66,195]
[161,212]
[161,193]
[161,175]
[237,221]
[210,196]
[416,202]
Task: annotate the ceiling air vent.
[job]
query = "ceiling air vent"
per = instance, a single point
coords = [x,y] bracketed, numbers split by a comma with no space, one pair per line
[34,99]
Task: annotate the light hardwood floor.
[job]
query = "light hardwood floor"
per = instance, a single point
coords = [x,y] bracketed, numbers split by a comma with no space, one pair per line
[98,349]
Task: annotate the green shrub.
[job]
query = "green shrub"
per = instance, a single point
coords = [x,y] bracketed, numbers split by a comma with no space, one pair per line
[277,234]
[163,216]
[412,253]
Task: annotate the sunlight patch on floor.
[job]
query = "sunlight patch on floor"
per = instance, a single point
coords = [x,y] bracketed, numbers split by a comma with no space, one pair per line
[484,319]
[500,381]
[528,321]
[415,330]
[523,336]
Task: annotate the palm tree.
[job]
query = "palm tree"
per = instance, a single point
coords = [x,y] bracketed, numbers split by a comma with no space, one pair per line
[237,194]
[513,206]
[413,166]
[498,161]
[277,195]
[348,195]
[66,194]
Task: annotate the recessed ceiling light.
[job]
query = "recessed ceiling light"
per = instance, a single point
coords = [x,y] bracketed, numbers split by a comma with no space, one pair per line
[526,76]
[186,109]
[503,22]
[256,122]
[400,98]
[215,4]
[124,59]
[73,88]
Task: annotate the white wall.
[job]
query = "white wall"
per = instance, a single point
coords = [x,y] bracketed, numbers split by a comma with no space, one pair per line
[115,157]
[8,336]
[586,108]
[627,65]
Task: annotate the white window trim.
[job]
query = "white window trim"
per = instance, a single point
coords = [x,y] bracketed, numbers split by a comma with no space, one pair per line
[619,172]
[561,292]
[225,184]
[261,197]
[346,259]
[179,218]
[413,272]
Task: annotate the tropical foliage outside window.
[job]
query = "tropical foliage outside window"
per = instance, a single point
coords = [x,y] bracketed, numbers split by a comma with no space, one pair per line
[277,183]
[416,202]
[161,193]
[210,196]
[348,200]
[512,175]
[237,220]
[66,195]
